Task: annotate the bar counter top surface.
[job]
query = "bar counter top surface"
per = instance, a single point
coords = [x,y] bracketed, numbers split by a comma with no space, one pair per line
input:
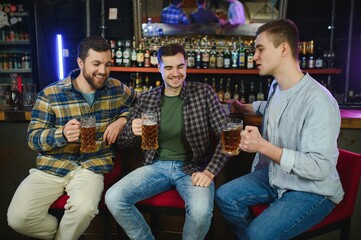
[350,118]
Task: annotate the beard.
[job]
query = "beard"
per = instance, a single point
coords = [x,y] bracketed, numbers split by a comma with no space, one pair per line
[91,80]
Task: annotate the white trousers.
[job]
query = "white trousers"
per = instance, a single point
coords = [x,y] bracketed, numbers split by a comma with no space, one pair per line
[28,210]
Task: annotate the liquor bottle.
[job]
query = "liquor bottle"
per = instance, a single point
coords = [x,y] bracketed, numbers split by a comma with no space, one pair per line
[226,58]
[319,59]
[311,58]
[126,54]
[260,95]
[205,56]
[241,56]
[303,55]
[213,56]
[112,47]
[236,93]
[119,54]
[227,93]
[234,56]
[133,55]
[153,56]
[146,56]
[146,86]
[242,96]
[198,56]
[220,92]
[205,80]
[190,57]
[138,84]
[219,61]
[251,96]
[140,55]
[250,62]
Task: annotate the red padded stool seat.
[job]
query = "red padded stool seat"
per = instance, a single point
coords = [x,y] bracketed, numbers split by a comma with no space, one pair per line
[349,169]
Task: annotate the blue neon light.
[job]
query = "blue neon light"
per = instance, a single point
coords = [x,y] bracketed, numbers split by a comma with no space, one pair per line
[59,42]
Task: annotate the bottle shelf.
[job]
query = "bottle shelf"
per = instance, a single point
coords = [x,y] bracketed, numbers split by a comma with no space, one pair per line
[221,70]
[16,71]
[14,43]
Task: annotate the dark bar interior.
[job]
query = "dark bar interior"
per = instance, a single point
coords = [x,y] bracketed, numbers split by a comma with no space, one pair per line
[330,49]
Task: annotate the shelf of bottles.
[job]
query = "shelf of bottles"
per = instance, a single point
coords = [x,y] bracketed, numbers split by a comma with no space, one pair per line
[15,48]
[210,56]
[228,65]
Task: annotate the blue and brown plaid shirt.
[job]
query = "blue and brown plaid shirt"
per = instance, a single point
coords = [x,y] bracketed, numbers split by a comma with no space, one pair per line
[59,103]
[174,15]
[203,114]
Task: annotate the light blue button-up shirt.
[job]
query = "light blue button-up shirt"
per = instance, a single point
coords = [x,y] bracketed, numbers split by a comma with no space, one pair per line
[307,130]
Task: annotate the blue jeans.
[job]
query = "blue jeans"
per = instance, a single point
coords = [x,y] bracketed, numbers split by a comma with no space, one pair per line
[150,180]
[286,217]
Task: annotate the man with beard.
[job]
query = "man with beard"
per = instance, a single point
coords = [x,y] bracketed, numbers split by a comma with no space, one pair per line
[54,133]
[187,112]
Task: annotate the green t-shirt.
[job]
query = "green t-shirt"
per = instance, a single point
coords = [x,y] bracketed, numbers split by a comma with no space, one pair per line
[171,137]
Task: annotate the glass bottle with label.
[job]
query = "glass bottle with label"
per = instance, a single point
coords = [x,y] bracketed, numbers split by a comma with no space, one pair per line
[242,91]
[140,55]
[251,96]
[146,56]
[133,55]
[126,54]
[311,58]
[250,61]
[138,84]
[241,56]
[226,58]
[219,61]
[190,57]
[213,56]
[234,57]
[220,92]
[303,55]
[260,95]
[205,56]
[153,56]
[236,92]
[227,93]
[119,54]
[198,56]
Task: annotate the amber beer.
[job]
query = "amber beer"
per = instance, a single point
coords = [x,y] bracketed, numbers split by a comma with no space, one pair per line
[231,137]
[149,131]
[87,134]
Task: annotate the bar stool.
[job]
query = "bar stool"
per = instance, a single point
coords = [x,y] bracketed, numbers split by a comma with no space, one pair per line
[57,208]
[349,169]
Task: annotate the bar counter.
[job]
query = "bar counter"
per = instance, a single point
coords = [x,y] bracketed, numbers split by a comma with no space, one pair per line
[350,118]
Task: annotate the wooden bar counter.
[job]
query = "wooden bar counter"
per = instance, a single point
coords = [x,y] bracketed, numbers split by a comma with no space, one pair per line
[350,118]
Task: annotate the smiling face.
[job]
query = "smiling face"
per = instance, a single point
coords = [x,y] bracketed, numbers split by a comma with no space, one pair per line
[267,56]
[173,70]
[95,68]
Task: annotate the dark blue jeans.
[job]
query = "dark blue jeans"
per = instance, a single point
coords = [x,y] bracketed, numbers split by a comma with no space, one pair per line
[286,217]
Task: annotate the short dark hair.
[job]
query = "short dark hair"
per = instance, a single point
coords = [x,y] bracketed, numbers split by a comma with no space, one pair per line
[201,2]
[170,50]
[282,30]
[97,43]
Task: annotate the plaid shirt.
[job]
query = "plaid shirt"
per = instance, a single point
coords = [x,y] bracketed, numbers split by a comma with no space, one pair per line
[203,114]
[59,103]
[174,15]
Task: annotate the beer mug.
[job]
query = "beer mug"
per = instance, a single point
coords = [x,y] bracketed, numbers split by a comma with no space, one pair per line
[149,131]
[87,134]
[231,136]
